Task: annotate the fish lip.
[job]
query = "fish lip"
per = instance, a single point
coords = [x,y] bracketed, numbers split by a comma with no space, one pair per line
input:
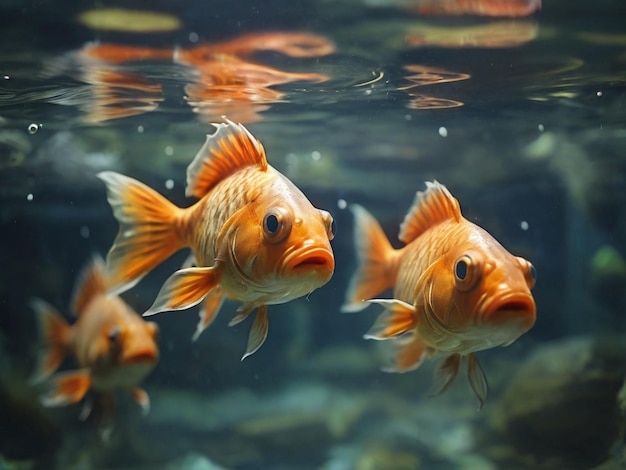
[317,259]
[509,306]
[141,357]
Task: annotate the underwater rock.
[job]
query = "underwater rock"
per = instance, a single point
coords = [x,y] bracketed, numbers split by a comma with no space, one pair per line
[560,409]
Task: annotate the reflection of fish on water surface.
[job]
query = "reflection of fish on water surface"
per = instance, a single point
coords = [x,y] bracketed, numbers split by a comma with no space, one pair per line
[423,75]
[113,346]
[510,8]
[498,34]
[455,288]
[220,80]
[254,236]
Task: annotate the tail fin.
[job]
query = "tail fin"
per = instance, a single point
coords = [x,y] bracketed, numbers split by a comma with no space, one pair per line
[149,230]
[376,261]
[55,332]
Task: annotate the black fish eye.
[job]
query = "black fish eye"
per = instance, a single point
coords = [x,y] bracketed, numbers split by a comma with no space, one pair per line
[114,334]
[460,270]
[467,271]
[271,223]
[276,224]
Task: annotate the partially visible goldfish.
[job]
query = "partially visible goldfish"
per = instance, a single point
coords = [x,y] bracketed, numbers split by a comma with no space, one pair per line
[113,346]
[455,288]
[254,236]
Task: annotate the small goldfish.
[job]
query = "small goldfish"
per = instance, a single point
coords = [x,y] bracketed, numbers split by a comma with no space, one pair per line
[254,235]
[455,288]
[113,346]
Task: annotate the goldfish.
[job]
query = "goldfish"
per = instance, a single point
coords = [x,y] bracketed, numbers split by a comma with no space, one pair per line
[456,289]
[114,347]
[254,236]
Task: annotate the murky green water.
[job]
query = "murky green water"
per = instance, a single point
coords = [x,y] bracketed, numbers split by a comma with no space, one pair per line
[522,118]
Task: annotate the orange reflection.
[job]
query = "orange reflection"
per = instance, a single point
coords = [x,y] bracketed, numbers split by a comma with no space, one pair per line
[510,8]
[423,75]
[419,101]
[219,80]
[227,85]
[490,35]
[426,75]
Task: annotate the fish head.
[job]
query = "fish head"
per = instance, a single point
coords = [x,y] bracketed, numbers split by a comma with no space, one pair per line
[279,248]
[491,290]
[481,292]
[122,337]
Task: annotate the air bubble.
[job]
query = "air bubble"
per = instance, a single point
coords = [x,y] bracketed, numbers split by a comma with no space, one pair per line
[315,155]
[33,128]
[29,197]
[443,132]
[169,184]
[342,204]
[523,225]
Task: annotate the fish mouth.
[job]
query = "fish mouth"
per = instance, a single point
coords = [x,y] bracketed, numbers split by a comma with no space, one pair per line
[518,307]
[141,357]
[316,259]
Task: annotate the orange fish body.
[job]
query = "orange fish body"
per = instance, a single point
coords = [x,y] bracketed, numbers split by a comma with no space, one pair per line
[113,346]
[455,288]
[254,236]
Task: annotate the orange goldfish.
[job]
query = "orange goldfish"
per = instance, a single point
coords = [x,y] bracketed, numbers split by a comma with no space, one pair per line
[113,346]
[455,288]
[254,236]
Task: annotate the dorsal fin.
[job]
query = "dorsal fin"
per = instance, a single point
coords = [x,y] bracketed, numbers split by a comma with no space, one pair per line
[91,282]
[429,208]
[229,149]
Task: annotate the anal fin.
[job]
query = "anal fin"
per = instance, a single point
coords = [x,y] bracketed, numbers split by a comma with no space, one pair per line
[142,398]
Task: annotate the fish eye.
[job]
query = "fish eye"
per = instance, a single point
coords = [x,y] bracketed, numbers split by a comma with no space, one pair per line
[330,224]
[530,273]
[276,224]
[466,272]
[114,334]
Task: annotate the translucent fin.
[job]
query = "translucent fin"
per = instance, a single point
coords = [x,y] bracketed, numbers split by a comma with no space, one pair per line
[229,149]
[477,379]
[142,398]
[376,261]
[258,332]
[54,330]
[398,318]
[183,289]
[149,233]
[67,388]
[429,208]
[410,353]
[445,373]
[208,311]
[242,313]
[91,283]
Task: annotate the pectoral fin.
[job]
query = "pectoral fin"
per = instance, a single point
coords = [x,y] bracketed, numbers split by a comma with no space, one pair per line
[185,288]
[399,317]
[142,398]
[67,388]
[410,353]
[445,373]
[211,305]
[477,379]
[258,332]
